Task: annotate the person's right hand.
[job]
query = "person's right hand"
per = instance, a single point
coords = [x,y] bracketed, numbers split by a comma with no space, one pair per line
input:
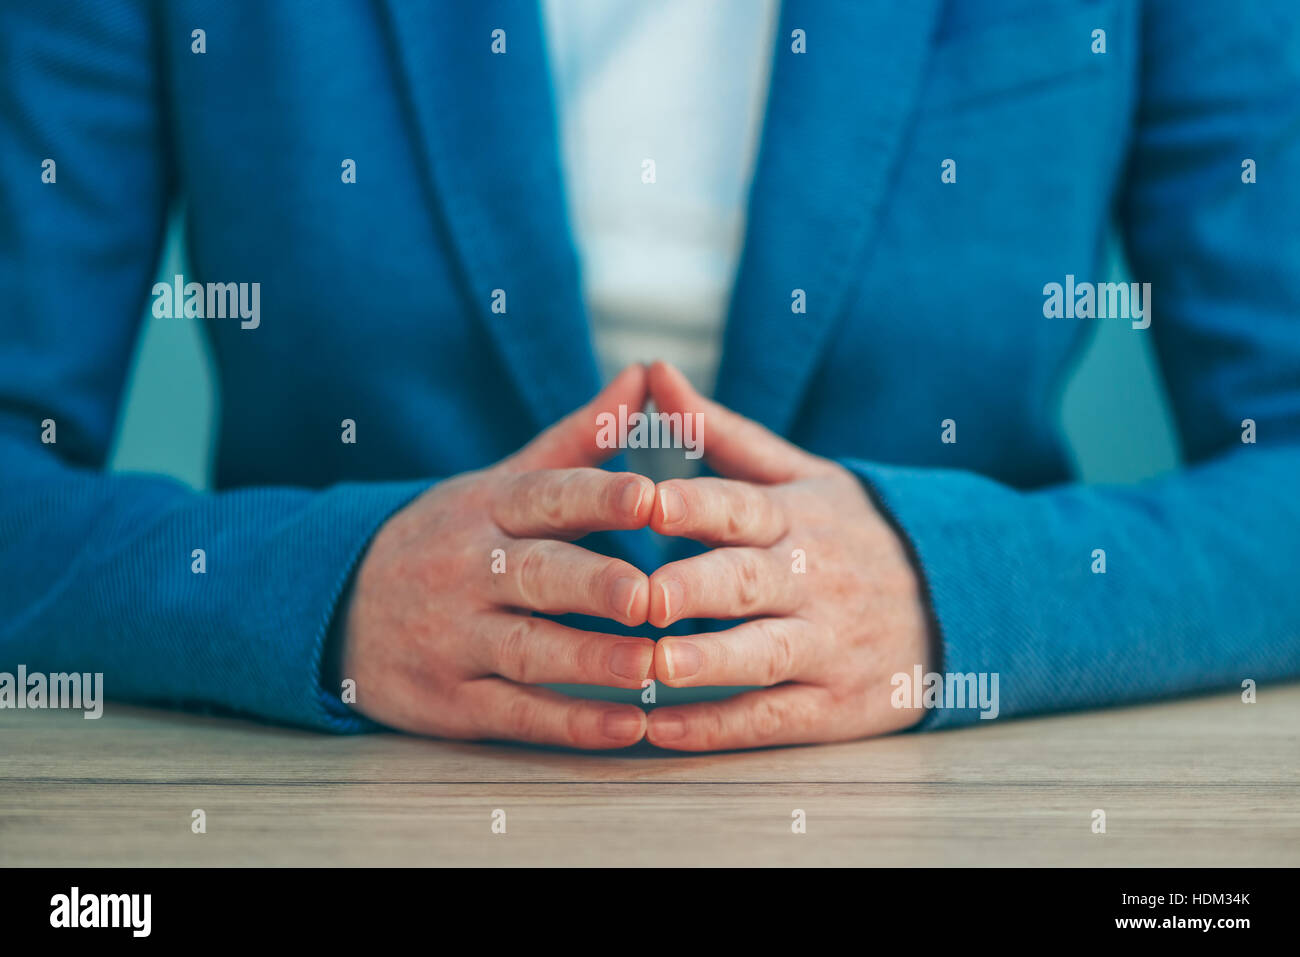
[440,644]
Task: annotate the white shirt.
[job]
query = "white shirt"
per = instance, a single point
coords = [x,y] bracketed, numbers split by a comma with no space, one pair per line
[682,84]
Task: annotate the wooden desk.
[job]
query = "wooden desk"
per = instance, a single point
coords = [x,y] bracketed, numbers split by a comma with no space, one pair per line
[1200,781]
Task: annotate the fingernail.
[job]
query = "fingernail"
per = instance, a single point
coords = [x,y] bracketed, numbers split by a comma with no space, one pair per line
[672,507]
[682,658]
[628,659]
[623,725]
[665,727]
[672,594]
[626,593]
[632,497]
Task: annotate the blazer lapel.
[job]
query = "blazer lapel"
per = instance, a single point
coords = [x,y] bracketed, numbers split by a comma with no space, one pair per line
[835,117]
[485,124]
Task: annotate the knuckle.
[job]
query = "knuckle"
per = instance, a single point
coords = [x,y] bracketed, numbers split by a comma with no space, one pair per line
[532,568]
[780,654]
[748,583]
[521,717]
[541,497]
[512,652]
[740,515]
[713,727]
[766,719]
[548,503]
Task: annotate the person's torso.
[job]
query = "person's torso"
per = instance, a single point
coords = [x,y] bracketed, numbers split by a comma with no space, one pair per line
[436,300]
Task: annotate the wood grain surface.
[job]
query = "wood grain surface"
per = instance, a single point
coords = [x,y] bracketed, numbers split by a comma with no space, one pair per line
[1201,781]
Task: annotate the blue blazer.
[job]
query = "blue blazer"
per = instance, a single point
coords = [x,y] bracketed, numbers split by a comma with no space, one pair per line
[924,303]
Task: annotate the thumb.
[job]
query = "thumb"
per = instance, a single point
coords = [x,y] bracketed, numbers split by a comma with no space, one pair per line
[571,442]
[734,446]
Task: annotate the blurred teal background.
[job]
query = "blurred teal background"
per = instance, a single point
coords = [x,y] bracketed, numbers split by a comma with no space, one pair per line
[1113,410]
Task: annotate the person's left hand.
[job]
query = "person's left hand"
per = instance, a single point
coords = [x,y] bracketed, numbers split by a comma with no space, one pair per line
[831,598]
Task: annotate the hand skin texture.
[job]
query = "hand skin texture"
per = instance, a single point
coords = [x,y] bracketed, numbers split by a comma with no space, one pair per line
[440,645]
[826,641]
[445,647]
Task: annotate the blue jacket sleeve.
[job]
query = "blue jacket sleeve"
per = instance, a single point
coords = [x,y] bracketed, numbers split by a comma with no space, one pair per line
[1200,589]
[95,569]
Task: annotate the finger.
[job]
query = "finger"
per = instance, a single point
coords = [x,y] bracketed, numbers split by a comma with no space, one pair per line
[569,503]
[732,444]
[789,714]
[557,578]
[539,651]
[504,711]
[723,583]
[571,442]
[767,652]
[718,512]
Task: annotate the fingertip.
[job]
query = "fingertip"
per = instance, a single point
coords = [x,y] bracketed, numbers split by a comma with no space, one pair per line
[659,378]
[630,603]
[665,728]
[630,372]
[669,507]
[628,388]
[636,499]
[632,660]
[666,599]
[663,373]
[635,378]
[663,663]
[623,726]
[677,660]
